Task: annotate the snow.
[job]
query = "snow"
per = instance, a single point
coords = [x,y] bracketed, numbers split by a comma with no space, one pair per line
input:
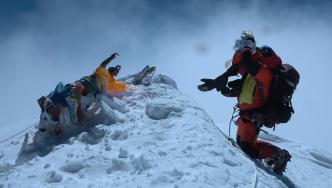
[184,148]
[165,80]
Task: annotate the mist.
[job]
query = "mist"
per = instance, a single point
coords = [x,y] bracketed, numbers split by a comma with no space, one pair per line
[44,42]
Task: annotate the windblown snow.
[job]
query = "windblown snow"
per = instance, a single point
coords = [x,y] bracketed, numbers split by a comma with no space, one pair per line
[161,139]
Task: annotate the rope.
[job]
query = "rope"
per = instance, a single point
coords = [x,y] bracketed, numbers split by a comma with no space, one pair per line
[22,131]
[230,122]
[254,181]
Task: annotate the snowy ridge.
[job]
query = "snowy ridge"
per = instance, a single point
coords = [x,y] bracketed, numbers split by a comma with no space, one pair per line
[179,146]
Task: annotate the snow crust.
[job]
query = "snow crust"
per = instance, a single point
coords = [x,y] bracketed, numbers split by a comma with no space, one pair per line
[161,139]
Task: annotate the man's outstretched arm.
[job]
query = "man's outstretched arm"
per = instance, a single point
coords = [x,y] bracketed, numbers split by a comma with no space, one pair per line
[220,82]
[108,60]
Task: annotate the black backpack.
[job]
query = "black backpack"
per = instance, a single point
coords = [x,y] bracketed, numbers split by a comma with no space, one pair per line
[279,107]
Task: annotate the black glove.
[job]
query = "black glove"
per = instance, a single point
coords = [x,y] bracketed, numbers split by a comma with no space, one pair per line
[250,65]
[114,55]
[221,81]
[209,84]
[226,92]
[236,84]
[221,85]
[108,60]
[246,55]
[235,88]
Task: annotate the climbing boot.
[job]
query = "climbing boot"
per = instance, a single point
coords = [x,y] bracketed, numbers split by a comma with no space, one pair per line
[280,161]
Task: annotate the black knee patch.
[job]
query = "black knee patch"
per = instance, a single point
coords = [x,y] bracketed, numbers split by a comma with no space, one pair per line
[246,147]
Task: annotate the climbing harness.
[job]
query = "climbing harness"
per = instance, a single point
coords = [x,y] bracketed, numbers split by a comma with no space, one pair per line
[235,114]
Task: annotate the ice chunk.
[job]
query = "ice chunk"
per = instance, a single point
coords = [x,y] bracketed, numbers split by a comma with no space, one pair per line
[158,111]
[53,177]
[73,167]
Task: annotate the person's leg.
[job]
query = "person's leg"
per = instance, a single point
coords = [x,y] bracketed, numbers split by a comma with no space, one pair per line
[247,136]
[264,149]
[275,156]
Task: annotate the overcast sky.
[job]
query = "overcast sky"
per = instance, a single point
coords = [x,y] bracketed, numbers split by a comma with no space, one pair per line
[44,42]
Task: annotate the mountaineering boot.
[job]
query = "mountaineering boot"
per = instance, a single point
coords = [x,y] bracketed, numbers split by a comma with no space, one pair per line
[280,161]
[141,75]
[147,78]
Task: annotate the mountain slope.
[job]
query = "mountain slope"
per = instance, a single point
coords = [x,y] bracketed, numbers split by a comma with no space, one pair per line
[162,139]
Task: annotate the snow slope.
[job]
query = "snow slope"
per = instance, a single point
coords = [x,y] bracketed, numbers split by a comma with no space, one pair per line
[162,139]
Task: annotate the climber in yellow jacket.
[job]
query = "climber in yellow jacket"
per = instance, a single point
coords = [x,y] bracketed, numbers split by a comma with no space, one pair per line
[102,75]
[117,88]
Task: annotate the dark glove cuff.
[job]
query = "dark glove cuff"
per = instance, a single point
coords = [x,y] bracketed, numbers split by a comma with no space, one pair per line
[232,71]
[226,91]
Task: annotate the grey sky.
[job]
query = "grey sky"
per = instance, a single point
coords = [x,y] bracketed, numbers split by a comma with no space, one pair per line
[44,42]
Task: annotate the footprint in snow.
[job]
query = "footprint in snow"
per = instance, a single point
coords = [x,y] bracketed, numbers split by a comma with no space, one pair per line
[141,164]
[5,168]
[208,164]
[214,153]
[117,165]
[119,135]
[46,166]
[230,163]
[161,179]
[91,137]
[123,153]
[176,174]
[162,153]
[54,177]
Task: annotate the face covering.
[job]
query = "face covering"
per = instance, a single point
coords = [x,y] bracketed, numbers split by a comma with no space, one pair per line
[242,44]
